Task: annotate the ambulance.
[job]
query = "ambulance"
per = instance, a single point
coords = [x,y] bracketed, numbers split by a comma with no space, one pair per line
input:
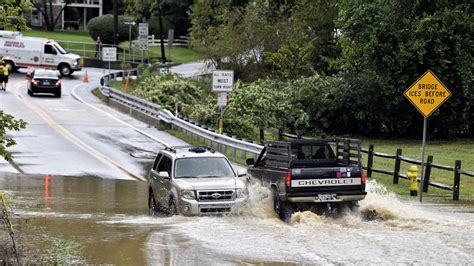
[19,51]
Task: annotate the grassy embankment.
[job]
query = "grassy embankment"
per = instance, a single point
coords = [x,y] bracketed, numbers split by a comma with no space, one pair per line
[178,54]
[444,152]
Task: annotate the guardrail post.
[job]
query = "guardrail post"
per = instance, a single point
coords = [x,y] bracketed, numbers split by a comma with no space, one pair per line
[370,160]
[253,154]
[457,179]
[396,171]
[427,173]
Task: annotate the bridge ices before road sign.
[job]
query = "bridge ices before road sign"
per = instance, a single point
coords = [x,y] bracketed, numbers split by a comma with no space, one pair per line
[222,80]
[427,94]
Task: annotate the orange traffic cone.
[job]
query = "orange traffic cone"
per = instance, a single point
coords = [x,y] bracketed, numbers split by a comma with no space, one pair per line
[86,78]
[125,89]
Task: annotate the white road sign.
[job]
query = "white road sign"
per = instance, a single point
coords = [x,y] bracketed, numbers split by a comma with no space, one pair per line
[143,29]
[109,54]
[222,80]
[143,44]
[222,99]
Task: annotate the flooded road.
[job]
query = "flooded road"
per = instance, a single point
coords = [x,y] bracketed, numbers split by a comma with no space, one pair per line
[100,221]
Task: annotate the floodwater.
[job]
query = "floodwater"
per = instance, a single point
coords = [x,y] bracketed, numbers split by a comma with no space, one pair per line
[99,221]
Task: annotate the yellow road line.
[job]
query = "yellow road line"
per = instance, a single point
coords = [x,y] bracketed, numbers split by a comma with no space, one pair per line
[75,140]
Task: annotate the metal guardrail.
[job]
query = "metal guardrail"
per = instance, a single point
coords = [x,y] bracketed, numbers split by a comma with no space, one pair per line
[224,143]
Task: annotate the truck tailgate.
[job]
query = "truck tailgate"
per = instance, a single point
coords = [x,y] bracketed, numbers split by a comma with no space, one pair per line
[326,179]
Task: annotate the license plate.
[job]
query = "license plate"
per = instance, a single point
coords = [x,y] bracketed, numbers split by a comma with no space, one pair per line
[46,83]
[326,197]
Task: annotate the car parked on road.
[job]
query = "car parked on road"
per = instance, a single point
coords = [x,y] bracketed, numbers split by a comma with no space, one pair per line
[192,180]
[44,81]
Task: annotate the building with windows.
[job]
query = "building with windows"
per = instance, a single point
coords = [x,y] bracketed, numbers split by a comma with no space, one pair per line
[76,13]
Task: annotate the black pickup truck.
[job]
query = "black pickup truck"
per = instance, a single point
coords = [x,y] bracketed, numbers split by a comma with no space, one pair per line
[309,175]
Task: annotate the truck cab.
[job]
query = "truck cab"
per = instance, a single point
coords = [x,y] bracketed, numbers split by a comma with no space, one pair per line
[19,51]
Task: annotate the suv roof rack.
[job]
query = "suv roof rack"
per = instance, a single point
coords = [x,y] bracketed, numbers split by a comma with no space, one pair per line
[191,148]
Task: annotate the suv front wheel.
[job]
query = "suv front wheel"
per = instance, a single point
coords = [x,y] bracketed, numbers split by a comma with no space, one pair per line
[153,206]
[172,210]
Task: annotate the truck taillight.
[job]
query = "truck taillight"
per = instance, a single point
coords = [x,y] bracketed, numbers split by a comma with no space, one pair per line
[362,176]
[288,179]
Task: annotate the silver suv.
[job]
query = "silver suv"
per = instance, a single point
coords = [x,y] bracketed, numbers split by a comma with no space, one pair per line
[192,180]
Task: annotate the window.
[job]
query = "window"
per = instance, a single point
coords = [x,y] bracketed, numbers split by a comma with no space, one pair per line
[312,151]
[203,167]
[165,165]
[155,164]
[49,49]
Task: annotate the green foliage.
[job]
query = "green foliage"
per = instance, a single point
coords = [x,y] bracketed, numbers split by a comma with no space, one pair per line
[267,104]
[292,40]
[167,91]
[11,17]
[237,37]
[173,14]
[388,45]
[7,122]
[103,26]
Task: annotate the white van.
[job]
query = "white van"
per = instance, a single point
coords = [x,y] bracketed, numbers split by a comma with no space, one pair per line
[19,51]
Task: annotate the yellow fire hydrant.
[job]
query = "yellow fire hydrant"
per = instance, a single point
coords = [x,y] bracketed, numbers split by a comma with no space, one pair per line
[412,176]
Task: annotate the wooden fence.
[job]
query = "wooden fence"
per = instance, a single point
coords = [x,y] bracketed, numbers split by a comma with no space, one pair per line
[429,164]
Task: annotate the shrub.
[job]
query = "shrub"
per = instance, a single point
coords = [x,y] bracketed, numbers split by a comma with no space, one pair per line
[103,26]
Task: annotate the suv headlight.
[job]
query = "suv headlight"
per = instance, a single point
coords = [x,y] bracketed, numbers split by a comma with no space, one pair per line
[187,194]
[241,192]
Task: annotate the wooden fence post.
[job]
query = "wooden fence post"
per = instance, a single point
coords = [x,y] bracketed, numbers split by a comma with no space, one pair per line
[396,171]
[457,179]
[427,173]
[370,160]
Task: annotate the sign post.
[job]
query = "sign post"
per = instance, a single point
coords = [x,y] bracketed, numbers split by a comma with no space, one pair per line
[222,83]
[109,54]
[143,37]
[170,42]
[427,94]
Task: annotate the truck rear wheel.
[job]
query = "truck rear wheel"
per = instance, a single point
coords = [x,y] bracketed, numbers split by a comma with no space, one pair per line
[65,70]
[283,209]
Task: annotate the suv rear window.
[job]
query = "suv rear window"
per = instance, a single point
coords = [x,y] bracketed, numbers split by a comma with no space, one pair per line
[203,167]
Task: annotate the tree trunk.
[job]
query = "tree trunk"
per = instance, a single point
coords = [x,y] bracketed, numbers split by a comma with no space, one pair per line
[51,18]
[262,135]
[115,29]
[163,56]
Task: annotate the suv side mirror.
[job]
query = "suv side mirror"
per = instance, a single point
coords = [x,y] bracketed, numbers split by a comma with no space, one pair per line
[250,161]
[164,175]
[241,172]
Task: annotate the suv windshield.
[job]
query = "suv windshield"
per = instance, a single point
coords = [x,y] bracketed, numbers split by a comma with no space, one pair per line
[203,167]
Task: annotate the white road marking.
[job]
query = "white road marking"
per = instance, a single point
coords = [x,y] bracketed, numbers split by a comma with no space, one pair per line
[73,92]
[75,140]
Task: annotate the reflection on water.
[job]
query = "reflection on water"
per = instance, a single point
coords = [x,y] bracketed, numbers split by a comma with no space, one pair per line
[52,208]
[107,220]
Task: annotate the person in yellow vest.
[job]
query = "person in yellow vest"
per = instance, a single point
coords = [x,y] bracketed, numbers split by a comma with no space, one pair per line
[2,74]
[5,77]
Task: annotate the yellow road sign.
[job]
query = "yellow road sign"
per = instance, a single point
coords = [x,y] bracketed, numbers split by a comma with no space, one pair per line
[427,94]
